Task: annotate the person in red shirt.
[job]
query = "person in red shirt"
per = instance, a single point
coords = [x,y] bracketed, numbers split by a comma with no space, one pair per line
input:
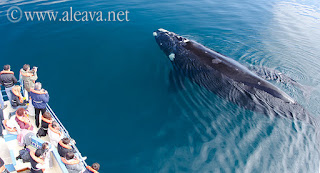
[23,119]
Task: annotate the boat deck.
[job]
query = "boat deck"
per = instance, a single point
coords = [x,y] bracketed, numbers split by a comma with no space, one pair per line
[10,147]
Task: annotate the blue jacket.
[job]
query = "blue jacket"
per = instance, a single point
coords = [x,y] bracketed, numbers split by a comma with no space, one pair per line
[39,100]
[87,171]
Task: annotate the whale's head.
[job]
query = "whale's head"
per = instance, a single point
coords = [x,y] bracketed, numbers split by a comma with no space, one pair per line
[169,42]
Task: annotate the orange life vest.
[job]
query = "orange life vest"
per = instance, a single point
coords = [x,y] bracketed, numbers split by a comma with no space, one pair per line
[26,74]
[24,119]
[17,93]
[37,159]
[2,168]
[46,120]
[54,130]
[73,162]
[64,145]
[91,169]
[37,92]
[6,72]
[8,128]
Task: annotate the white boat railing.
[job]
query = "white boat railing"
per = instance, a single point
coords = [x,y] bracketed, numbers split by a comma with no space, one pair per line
[63,129]
[66,133]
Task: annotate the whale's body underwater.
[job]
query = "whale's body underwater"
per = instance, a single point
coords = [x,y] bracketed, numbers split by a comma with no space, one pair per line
[228,78]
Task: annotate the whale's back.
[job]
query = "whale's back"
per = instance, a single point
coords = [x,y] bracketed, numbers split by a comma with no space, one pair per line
[233,70]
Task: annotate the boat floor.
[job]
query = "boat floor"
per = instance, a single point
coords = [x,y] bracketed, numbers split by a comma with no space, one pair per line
[15,148]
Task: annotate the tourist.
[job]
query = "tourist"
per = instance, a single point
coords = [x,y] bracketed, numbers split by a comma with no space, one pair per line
[23,119]
[46,153]
[7,80]
[54,133]
[64,147]
[38,162]
[92,169]
[40,98]
[46,119]
[72,163]
[17,98]
[29,77]
[11,124]
[25,132]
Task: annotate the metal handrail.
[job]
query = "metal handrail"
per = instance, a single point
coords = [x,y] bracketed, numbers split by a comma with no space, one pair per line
[66,133]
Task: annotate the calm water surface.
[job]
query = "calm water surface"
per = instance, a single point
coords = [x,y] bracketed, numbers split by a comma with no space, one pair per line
[108,82]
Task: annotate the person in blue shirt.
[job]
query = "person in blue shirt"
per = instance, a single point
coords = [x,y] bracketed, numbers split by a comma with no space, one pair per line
[40,98]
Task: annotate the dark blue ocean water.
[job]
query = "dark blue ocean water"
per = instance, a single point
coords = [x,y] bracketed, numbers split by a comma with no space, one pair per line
[108,82]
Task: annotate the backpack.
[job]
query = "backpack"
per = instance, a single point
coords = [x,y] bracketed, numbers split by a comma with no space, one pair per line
[41,132]
[25,155]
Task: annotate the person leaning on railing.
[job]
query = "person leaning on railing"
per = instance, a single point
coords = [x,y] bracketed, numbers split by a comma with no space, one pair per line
[40,98]
[55,135]
[93,169]
[46,153]
[7,80]
[46,119]
[72,163]
[64,147]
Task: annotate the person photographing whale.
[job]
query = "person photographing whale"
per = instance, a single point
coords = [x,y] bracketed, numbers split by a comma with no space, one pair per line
[40,98]
[29,76]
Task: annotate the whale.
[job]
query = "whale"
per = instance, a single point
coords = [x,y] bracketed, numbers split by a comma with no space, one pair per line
[228,78]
